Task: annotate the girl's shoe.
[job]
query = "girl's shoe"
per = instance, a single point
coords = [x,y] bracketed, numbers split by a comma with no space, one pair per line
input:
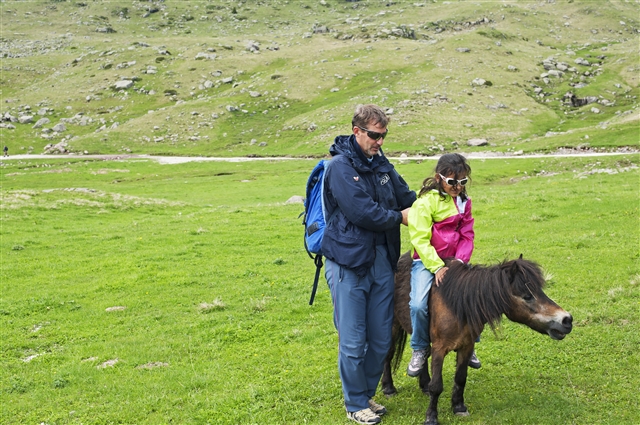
[474,362]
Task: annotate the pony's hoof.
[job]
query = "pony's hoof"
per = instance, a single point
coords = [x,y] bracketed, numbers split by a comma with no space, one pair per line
[389,392]
[460,410]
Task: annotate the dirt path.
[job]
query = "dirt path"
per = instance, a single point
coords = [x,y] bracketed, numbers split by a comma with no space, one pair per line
[183,159]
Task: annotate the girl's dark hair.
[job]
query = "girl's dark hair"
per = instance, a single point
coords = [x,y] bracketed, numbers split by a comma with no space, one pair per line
[450,163]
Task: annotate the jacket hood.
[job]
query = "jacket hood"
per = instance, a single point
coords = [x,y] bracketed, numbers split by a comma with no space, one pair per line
[342,145]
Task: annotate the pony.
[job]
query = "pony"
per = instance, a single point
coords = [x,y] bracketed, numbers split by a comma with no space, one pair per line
[469,297]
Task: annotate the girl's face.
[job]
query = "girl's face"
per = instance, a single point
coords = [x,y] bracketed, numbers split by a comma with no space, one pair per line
[451,190]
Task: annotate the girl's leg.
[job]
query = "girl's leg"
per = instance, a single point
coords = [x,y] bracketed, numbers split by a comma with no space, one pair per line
[421,281]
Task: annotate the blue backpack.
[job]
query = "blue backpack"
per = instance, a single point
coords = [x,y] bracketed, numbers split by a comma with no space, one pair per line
[314,220]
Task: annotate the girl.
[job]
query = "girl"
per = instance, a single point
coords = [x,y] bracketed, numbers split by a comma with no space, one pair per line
[440,227]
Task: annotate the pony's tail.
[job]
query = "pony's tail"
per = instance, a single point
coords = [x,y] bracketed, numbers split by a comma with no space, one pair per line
[398,342]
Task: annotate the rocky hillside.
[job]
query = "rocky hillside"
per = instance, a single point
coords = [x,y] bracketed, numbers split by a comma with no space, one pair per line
[282,77]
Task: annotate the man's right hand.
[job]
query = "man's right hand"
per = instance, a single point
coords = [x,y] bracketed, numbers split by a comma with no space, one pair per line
[405,214]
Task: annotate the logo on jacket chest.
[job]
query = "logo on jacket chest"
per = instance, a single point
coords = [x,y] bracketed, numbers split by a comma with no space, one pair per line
[385,179]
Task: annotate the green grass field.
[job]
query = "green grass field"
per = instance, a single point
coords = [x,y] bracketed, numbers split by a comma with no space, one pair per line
[139,293]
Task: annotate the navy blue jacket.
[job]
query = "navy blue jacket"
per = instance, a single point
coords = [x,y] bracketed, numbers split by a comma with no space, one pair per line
[370,197]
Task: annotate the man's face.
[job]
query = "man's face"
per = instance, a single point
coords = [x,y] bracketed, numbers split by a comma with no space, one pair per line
[370,146]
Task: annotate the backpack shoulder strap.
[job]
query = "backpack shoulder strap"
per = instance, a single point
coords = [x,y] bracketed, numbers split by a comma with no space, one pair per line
[318,262]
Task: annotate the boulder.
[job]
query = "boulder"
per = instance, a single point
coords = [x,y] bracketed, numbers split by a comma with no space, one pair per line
[123,84]
[207,56]
[477,142]
[41,122]
[59,128]
[295,199]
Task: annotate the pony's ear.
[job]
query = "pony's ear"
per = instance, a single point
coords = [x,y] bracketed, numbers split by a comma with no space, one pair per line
[513,271]
[520,257]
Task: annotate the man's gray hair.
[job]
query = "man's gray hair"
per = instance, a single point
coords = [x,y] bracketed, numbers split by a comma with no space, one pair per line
[369,114]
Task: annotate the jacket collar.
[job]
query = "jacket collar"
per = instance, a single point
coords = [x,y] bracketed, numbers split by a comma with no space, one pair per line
[347,146]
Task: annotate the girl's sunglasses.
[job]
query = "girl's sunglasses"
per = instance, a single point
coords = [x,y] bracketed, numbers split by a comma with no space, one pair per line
[374,134]
[453,182]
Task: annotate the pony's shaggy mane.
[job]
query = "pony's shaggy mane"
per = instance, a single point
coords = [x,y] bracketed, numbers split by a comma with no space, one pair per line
[478,294]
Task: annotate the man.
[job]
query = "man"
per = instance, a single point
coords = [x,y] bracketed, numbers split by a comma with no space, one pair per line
[362,246]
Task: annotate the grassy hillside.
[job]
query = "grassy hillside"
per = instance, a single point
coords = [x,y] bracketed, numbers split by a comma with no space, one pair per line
[276,77]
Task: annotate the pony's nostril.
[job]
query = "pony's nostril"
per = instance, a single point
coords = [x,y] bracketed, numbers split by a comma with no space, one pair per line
[567,321]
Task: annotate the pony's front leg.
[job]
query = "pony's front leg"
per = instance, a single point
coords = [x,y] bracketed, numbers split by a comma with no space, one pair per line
[460,380]
[435,388]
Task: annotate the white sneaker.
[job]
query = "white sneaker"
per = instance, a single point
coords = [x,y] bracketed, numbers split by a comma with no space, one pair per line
[364,416]
[418,358]
[376,408]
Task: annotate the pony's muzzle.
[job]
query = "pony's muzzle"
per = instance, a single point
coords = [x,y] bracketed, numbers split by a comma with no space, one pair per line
[559,329]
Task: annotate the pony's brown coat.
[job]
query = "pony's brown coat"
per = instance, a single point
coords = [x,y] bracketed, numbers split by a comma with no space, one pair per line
[467,299]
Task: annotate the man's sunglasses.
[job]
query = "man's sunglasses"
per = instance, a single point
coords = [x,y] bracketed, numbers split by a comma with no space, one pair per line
[453,182]
[374,134]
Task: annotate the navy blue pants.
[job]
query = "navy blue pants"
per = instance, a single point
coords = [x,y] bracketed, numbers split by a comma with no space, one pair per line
[363,316]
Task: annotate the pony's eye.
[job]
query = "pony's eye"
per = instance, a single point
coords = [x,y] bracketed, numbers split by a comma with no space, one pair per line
[527,297]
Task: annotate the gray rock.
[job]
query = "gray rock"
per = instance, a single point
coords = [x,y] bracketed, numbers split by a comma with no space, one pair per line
[463,49]
[41,122]
[581,61]
[59,128]
[254,94]
[208,84]
[25,119]
[478,82]
[477,142]
[207,56]
[57,148]
[556,73]
[123,85]
[295,199]
[253,46]
[125,65]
